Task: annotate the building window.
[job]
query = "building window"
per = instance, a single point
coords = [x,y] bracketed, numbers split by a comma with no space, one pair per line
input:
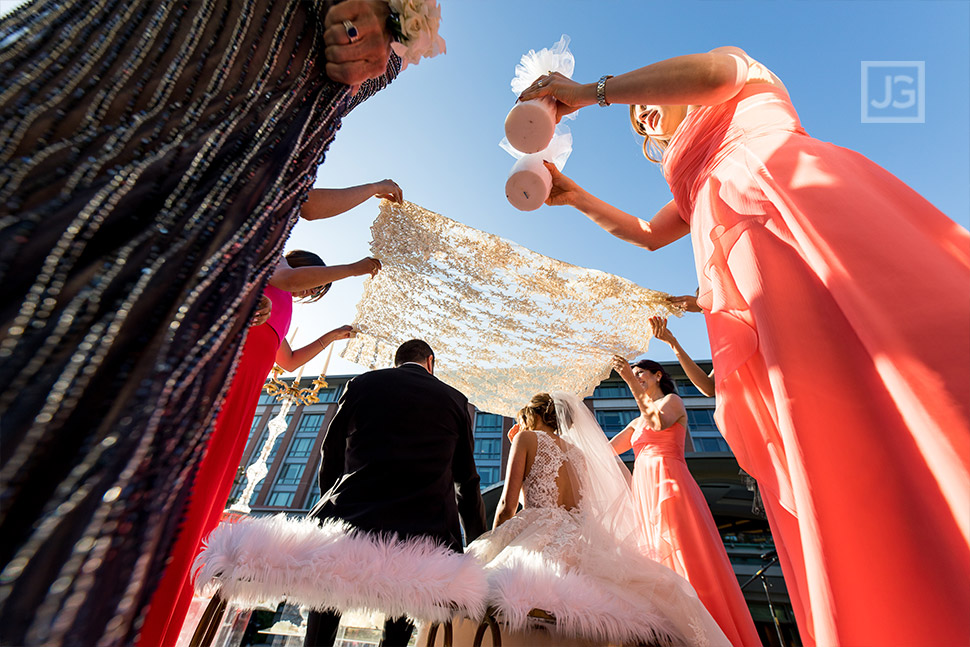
[280,499]
[709,444]
[488,448]
[301,448]
[290,474]
[252,428]
[310,424]
[686,389]
[613,421]
[704,432]
[488,423]
[265,398]
[314,494]
[329,394]
[701,420]
[612,389]
[489,475]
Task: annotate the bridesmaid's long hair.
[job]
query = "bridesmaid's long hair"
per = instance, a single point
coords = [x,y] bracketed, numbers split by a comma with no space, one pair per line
[303,258]
[653,147]
[667,385]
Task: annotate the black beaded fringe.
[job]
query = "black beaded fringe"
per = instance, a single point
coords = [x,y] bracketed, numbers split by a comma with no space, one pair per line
[153,158]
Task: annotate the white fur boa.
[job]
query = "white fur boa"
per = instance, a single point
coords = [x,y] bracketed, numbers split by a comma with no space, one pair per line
[332,566]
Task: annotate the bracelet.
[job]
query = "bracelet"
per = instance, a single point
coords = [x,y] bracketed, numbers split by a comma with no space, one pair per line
[601,90]
[320,341]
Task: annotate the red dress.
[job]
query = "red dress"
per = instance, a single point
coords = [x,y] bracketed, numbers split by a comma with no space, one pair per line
[679,529]
[217,471]
[836,305]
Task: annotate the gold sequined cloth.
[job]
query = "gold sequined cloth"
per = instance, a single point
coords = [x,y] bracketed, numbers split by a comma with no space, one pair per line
[505,322]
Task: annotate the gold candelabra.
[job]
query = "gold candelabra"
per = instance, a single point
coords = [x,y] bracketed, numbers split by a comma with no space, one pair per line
[283,391]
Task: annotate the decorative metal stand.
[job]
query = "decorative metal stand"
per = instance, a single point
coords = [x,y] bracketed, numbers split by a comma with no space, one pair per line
[288,394]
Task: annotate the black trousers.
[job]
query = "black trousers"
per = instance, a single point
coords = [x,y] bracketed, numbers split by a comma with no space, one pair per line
[321,630]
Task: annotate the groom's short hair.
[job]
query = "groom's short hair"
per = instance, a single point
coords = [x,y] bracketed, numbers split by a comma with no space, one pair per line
[415,350]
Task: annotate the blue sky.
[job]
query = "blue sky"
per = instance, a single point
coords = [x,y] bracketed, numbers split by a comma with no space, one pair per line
[436,129]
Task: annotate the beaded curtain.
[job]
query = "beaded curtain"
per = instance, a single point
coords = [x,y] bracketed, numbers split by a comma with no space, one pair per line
[505,322]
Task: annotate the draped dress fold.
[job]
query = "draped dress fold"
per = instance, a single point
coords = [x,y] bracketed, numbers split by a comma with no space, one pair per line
[680,532]
[835,298]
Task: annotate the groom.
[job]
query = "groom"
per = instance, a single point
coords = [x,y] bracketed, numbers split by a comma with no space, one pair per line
[397,459]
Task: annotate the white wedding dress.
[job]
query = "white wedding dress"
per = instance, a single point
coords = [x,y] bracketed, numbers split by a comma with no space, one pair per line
[583,565]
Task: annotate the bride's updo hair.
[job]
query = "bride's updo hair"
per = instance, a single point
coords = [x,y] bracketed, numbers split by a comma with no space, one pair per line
[540,407]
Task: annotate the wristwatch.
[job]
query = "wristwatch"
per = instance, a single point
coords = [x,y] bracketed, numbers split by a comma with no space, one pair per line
[601,90]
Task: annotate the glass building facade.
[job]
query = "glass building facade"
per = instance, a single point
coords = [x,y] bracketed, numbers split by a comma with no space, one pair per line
[295,456]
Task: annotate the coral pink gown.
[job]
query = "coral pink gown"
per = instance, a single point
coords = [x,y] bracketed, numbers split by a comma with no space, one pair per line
[679,528]
[217,471]
[837,309]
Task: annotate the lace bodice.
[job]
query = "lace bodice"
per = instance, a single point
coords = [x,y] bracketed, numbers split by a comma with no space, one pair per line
[540,487]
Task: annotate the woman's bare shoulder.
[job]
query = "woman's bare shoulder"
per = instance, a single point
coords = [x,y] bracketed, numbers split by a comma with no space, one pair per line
[757,71]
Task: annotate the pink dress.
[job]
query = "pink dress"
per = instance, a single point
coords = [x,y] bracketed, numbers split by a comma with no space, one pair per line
[836,303]
[680,531]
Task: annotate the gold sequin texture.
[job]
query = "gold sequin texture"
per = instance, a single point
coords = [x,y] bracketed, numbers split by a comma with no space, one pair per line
[505,322]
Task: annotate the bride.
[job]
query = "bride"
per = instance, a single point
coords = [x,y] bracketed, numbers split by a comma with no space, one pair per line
[571,553]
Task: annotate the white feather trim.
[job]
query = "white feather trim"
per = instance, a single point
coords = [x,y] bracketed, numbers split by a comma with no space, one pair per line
[332,566]
[584,606]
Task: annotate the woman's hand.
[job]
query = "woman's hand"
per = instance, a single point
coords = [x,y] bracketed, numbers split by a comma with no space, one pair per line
[622,367]
[344,332]
[658,325]
[513,431]
[369,265]
[388,190]
[570,96]
[687,302]
[564,191]
[263,310]
[353,62]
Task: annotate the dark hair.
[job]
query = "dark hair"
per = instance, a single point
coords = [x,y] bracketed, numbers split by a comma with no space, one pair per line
[303,258]
[415,350]
[540,407]
[666,382]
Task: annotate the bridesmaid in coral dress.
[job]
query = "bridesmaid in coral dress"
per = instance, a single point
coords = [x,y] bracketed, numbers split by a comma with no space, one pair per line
[301,275]
[838,389]
[677,526]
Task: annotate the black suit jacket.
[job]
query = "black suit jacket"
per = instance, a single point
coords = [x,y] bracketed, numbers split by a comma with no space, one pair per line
[397,458]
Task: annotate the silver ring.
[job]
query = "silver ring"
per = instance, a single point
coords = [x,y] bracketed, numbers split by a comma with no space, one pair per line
[352,32]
